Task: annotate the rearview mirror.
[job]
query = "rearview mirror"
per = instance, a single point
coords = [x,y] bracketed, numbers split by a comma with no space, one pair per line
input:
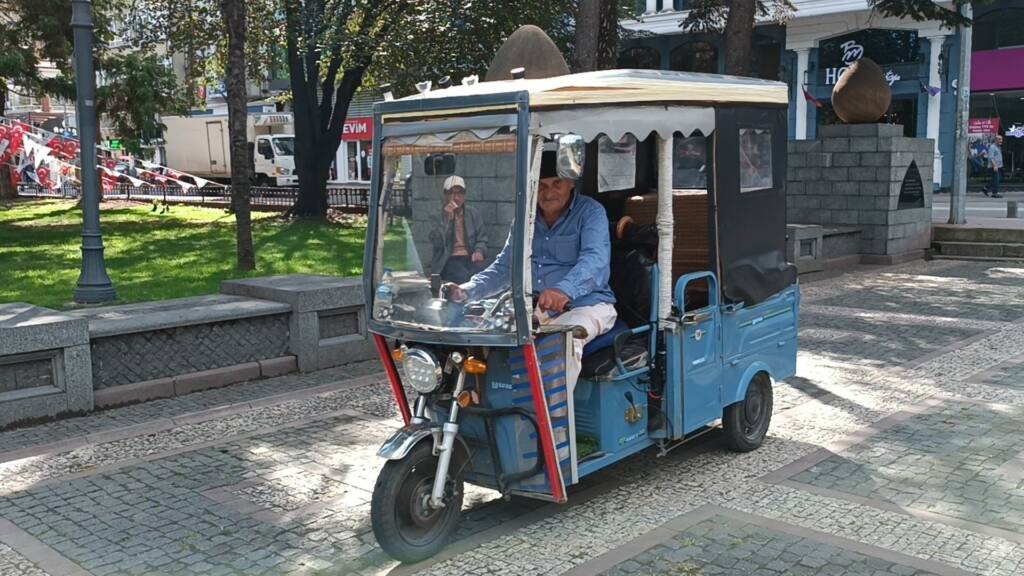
[571,153]
[439,164]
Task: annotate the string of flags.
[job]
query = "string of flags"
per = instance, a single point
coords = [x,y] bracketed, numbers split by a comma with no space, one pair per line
[925,88]
[51,160]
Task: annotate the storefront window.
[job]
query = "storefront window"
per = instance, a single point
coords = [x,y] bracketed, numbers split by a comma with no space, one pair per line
[765,58]
[995,113]
[694,57]
[642,58]
[901,111]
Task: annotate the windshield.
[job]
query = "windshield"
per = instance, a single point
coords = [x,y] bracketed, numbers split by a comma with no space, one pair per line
[448,203]
[284,146]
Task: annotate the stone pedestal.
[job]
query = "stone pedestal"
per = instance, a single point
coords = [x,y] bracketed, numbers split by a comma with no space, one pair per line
[328,320]
[869,176]
[804,247]
[45,366]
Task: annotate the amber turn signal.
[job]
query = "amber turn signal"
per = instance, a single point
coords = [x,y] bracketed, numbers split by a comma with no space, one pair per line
[397,355]
[475,366]
[467,397]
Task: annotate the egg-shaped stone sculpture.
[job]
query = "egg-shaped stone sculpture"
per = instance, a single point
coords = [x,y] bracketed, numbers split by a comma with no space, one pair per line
[528,47]
[862,95]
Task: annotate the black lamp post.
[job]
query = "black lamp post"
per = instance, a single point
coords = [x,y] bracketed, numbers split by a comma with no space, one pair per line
[94,285]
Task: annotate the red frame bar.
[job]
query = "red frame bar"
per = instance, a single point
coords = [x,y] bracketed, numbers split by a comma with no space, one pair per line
[547,440]
[396,382]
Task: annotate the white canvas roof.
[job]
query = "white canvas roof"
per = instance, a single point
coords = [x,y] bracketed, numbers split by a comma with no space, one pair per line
[628,86]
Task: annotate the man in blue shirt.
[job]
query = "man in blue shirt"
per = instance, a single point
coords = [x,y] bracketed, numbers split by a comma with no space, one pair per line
[571,260]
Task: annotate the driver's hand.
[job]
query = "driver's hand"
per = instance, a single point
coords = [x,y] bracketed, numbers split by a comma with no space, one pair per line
[553,300]
[454,291]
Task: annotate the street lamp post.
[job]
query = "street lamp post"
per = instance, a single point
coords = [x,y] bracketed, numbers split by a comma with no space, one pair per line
[94,285]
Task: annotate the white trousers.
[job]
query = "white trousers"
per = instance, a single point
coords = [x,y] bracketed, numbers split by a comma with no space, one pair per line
[596,319]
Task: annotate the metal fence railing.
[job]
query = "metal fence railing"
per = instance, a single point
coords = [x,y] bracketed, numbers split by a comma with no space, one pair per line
[349,200]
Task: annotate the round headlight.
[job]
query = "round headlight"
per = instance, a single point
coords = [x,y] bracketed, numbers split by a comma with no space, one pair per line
[422,370]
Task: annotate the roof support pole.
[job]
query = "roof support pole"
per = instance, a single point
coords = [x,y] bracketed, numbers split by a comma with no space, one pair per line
[665,226]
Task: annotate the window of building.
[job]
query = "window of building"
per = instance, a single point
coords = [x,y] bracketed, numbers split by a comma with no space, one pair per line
[755,159]
[357,162]
[766,57]
[999,29]
[640,57]
[694,57]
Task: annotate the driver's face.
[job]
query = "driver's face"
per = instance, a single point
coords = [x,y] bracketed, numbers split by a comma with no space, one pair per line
[553,194]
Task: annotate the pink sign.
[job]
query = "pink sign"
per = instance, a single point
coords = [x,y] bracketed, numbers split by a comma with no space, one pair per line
[997,70]
[983,126]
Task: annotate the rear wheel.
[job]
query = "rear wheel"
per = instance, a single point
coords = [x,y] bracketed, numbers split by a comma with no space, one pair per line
[746,422]
[405,526]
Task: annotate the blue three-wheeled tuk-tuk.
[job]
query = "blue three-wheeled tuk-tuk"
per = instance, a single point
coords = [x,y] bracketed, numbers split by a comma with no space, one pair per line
[691,171]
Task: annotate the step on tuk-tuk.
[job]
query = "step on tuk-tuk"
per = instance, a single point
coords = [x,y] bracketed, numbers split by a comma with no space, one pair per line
[691,171]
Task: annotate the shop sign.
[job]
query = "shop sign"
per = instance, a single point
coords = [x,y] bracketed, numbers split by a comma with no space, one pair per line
[894,51]
[983,126]
[357,129]
[1015,132]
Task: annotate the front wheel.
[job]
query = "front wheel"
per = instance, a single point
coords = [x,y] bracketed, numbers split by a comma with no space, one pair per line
[746,422]
[405,526]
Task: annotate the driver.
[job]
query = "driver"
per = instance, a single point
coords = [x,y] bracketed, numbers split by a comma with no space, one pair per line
[571,261]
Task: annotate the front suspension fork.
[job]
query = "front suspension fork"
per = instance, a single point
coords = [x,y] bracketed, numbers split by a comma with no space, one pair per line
[449,431]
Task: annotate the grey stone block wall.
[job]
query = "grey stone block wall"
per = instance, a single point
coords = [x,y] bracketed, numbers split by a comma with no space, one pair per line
[490,189]
[44,363]
[851,177]
[149,355]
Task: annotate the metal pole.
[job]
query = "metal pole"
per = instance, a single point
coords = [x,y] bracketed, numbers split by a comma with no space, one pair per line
[958,194]
[94,285]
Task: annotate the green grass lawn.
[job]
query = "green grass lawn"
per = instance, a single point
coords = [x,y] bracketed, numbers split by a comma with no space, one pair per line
[152,256]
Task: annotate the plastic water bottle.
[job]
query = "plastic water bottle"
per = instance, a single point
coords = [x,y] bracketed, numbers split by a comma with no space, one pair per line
[385,296]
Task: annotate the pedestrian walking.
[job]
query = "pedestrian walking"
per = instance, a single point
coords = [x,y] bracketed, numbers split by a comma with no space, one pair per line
[995,161]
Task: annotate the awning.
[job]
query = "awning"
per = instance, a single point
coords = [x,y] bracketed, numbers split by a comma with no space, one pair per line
[617,121]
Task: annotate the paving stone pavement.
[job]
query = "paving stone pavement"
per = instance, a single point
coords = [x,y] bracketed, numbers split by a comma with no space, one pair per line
[729,546]
[281,484]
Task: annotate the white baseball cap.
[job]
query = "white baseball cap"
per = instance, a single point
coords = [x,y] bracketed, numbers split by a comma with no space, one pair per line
[453,181]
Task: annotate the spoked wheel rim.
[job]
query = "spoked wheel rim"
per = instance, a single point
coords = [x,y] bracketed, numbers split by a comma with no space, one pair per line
[755,413]
[418,523]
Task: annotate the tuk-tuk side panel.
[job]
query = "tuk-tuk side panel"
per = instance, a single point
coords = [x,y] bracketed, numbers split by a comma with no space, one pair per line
[764,335]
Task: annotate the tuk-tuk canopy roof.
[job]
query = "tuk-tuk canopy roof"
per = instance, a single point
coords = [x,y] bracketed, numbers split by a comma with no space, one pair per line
[627,86]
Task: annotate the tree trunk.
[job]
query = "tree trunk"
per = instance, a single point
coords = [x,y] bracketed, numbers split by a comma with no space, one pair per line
[588,24]
[739,28]
[608,36]
[233,12]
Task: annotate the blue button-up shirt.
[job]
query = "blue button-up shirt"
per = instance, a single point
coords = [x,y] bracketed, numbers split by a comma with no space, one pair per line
[573,256]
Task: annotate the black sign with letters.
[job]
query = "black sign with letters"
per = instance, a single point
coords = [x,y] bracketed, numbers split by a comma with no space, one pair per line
[912,190]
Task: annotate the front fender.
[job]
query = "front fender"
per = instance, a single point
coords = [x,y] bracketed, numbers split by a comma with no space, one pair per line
[403,440]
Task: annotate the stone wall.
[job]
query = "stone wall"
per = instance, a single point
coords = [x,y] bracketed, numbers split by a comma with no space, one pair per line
[153,354]
[852,175]
[490,189]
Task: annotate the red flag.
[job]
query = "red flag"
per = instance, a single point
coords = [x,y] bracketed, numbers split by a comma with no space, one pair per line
[810,98]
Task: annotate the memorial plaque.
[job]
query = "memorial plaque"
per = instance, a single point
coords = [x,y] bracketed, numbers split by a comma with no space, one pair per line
[912,190]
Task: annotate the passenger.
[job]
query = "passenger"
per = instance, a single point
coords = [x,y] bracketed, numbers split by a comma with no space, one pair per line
[571,261]
[459,238]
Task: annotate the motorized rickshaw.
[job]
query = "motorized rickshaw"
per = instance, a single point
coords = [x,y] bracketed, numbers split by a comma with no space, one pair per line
[691,170]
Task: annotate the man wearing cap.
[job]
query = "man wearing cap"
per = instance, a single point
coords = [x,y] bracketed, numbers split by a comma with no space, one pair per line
[460,240]
[571,261]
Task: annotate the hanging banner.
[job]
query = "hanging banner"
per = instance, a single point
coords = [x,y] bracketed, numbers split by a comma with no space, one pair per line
[983,126]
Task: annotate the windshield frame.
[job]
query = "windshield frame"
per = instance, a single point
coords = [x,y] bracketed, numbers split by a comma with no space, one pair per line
[278,151]
[518,103]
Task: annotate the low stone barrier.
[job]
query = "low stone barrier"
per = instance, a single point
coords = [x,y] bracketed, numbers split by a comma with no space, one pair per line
[53,363]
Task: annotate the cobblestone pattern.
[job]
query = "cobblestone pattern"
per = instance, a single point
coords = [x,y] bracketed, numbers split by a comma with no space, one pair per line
[729,547]
[166,408]
[879,341]
[14,564]
[129,358]
[30,374]
[1009,374]
[961,461]
[150,517]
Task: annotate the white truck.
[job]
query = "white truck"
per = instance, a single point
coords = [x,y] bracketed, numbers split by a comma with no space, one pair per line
[200,145]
